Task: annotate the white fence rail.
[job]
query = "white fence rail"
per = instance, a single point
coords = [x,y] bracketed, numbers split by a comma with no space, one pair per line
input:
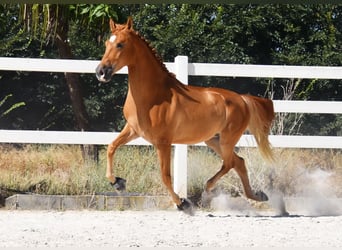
[183,69]
[195,69]
[104,138]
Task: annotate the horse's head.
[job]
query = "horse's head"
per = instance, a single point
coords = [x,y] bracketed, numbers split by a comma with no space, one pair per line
[118,50]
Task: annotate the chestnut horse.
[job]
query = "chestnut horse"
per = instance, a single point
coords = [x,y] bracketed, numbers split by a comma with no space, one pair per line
[163,111]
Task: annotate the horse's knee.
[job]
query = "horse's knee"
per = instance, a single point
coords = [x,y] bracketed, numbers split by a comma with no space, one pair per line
[110,150]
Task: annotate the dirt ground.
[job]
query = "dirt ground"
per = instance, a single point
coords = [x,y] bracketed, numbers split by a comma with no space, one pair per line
[168,228]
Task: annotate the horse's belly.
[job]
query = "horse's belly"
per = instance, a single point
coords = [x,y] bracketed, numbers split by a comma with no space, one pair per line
[193,137]
[191,133]
[200,124]
[194,132]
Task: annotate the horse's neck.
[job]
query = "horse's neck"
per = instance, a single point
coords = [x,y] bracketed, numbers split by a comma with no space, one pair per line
[146,89]
[147,78]
[141,76]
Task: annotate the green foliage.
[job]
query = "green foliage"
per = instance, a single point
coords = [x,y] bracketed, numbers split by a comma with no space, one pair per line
[13,39]
[263,34]
[90,12]
[11,107]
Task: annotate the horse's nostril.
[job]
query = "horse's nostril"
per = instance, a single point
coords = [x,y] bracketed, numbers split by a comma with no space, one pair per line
[104,73]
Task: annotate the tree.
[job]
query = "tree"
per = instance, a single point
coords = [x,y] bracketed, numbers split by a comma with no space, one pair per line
[51,23]
[48,92]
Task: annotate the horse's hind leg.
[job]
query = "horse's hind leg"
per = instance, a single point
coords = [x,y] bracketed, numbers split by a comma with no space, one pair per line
[241,170]
[226,153]
[231,160]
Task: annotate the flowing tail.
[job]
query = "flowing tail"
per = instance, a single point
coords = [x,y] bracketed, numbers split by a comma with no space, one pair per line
[261,117]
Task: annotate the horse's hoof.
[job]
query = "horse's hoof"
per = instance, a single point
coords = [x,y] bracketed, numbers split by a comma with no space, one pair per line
[119,184]
[186,206]
[261,196]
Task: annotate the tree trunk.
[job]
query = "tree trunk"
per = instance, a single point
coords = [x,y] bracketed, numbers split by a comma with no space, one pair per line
[73,81]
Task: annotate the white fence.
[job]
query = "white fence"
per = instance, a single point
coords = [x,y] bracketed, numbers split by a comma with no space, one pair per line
[183,69]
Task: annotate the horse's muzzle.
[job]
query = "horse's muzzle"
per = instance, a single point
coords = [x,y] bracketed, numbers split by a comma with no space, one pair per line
[104,73]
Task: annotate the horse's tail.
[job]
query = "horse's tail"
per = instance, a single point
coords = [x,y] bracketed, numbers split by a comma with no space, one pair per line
[261,117]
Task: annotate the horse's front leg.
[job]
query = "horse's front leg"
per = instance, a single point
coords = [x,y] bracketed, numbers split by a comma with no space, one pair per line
[126,135]
[164,155]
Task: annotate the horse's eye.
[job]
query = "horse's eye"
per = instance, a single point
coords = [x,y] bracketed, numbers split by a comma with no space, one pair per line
[119,45]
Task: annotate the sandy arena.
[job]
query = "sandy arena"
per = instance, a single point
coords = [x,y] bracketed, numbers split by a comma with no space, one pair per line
[169,228]
[311,221]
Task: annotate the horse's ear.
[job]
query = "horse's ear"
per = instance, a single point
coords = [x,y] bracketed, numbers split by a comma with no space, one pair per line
[129,23]
[112,25]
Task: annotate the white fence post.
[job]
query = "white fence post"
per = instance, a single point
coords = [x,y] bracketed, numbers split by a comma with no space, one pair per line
[180,162]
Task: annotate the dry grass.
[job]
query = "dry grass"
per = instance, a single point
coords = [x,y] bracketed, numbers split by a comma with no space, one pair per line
[54,169]
[45,169]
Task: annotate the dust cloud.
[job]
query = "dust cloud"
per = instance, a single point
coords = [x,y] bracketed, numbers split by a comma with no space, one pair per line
[235,206]
[314,196]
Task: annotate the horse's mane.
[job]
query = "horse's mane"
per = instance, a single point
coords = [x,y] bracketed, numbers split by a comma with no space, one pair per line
[148,44]
[155,53]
